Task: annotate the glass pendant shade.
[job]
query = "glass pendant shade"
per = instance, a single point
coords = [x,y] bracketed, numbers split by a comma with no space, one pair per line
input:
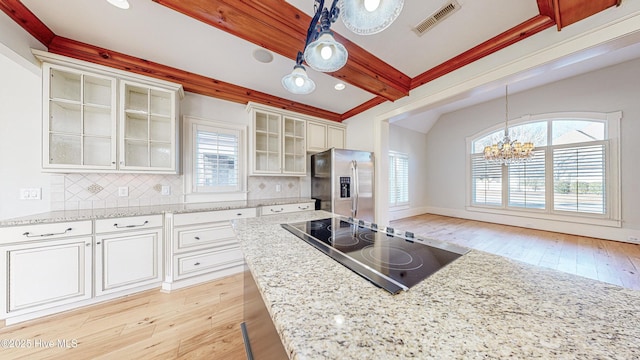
[122,4]
[366,17]
[325,54]
[298,82]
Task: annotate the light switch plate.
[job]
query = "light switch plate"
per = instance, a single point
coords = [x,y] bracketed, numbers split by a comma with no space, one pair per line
[165,190]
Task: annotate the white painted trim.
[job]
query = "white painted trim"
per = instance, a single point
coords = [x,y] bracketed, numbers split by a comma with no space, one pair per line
[590,230]
[189,123]
[406,212]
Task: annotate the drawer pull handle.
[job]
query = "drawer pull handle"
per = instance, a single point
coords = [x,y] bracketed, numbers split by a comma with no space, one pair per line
[98,243]
[277,211]
[130,226]
[196,264]
[303,207]
[28,234]
[197,237]
[239,214]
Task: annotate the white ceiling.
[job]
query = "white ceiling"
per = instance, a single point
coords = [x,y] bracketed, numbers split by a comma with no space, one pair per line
[151,31]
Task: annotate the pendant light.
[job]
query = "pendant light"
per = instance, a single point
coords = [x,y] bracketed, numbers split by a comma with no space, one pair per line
[298,82]
[508,151]
[325,54]
[366,17]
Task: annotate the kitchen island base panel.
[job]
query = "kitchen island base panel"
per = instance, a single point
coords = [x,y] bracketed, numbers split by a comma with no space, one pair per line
[262,341]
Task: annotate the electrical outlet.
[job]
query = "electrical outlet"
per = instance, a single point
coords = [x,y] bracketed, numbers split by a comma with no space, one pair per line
[632,238]
[165,190]
[31,194]
[123,191]
[278,188]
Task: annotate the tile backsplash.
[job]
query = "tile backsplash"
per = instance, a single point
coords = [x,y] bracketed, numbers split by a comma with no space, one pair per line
[96,191]
[266,187]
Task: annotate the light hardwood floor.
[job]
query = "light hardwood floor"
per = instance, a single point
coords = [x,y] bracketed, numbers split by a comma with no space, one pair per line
[202,322]
[608,261]
[199,322]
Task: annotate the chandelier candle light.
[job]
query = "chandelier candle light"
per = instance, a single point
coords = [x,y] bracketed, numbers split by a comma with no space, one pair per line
[321,50]
[507,151]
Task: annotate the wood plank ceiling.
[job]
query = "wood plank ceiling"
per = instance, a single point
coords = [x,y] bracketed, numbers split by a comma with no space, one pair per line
[282,32]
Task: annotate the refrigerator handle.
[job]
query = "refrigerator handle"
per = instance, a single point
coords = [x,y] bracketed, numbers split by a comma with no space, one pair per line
[356,189]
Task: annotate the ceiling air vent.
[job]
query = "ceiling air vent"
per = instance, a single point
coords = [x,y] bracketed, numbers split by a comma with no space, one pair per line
[442,13]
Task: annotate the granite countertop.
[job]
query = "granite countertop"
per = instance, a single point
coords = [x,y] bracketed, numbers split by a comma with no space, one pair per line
[90,214]
[481,306]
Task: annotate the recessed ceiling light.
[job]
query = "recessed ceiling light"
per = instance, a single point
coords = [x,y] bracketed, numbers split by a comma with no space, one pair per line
[340,86]
[262,56]
[122,4]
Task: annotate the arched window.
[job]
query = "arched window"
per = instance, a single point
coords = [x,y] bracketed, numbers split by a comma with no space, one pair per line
[573,172]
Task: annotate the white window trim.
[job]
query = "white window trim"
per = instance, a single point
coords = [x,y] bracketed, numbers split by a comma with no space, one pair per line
[401,205]
[191,195]
[612,133]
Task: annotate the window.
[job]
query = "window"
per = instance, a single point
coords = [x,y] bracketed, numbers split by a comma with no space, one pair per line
[216,158]
[573,172]
[398,179]
[215,162]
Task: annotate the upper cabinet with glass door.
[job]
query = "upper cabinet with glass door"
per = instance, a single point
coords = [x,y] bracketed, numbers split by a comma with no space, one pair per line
[148,128]
[92,124]
[279,143]
[294,140]
[80,120]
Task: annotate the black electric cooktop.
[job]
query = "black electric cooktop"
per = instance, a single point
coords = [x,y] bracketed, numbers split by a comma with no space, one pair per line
[392,260]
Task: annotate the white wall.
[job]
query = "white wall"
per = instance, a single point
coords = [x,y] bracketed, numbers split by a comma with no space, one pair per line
[20,123]
[606,90]
[414,144]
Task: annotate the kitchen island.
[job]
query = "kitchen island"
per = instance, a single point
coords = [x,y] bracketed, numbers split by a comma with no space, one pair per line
[481,306]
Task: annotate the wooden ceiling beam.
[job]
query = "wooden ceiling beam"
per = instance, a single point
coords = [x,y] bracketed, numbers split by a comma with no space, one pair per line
[509,37]
[25,18]
[191,82]
[283,31]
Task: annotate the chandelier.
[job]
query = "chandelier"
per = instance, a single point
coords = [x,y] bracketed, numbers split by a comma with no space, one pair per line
[321,50]
[508,151]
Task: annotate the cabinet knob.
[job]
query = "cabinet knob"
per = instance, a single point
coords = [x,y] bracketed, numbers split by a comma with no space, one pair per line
[98,243]
[87,244]
[196,264]
[197,237]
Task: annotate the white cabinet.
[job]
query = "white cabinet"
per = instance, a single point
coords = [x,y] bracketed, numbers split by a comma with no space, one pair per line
[202,246]
[336,137]
[128,254]
[44,266]
[98,119]
[147,128]
[322,136]
[286,208]
[79,127]
[294,145]
[279,144]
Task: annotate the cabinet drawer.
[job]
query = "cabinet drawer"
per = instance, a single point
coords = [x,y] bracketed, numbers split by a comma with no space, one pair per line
[187,265]
[13,234]
[286,208]
[211,235]
[128,223]
[211,216]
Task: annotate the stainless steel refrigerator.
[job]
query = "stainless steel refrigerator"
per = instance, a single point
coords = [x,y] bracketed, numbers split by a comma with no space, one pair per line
[342,182]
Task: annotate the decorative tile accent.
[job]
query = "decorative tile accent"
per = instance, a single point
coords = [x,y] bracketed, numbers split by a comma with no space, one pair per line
[89,191]
[95,188]
[264,187]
